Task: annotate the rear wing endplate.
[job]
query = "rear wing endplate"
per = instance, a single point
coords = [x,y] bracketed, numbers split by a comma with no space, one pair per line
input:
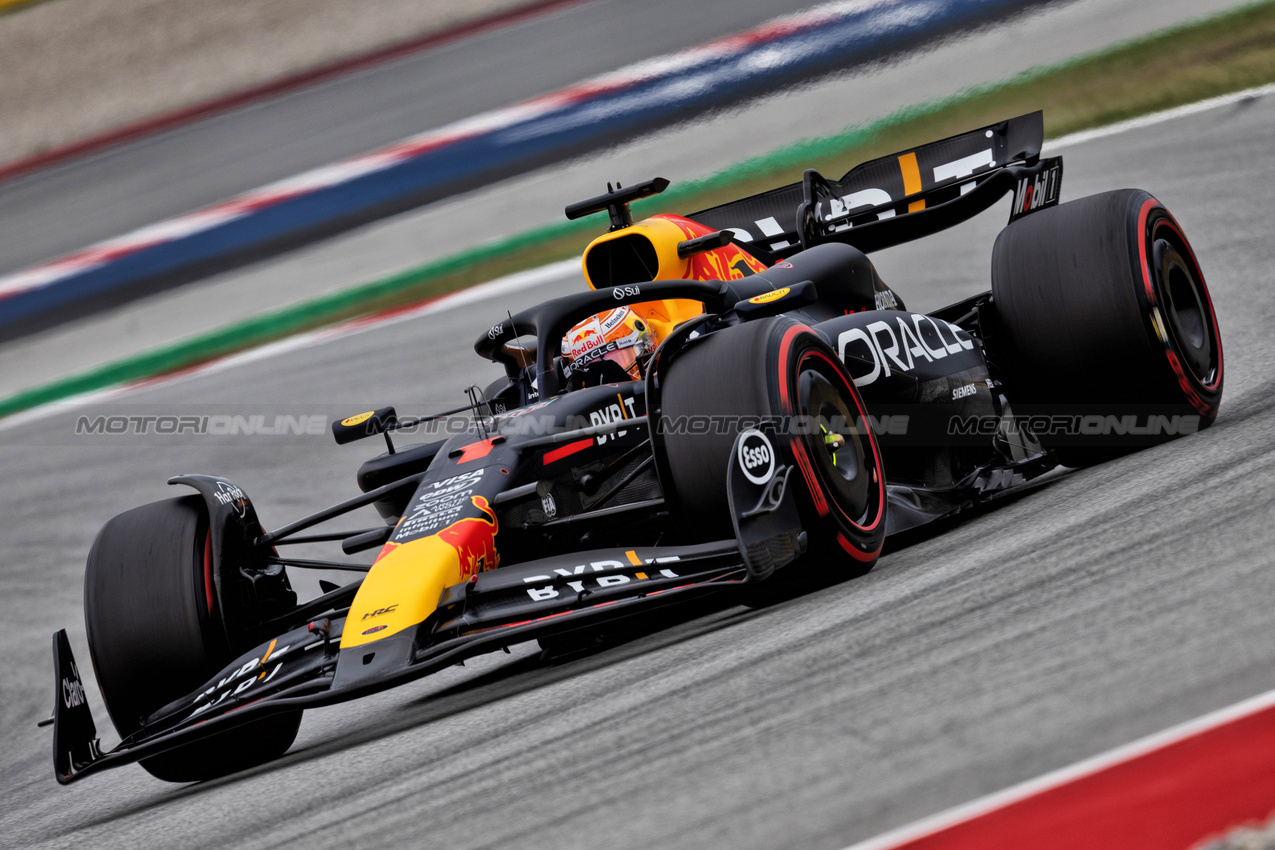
[900,197]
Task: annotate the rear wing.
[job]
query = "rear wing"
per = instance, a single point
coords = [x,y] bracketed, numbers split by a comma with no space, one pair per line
[900,197]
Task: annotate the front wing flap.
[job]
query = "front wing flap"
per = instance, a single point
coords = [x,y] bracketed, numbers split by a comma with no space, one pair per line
[305,669]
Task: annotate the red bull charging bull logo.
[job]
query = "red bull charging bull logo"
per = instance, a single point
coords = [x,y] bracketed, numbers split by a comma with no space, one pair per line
[727,263]
[474,539]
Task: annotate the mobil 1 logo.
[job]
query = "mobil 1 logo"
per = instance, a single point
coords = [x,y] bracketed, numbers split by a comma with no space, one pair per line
[1037,193]
[756,456]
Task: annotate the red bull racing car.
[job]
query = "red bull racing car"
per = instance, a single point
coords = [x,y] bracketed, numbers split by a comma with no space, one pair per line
[737,394]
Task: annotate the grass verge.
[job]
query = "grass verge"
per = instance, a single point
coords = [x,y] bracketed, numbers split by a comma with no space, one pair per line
[1229,52]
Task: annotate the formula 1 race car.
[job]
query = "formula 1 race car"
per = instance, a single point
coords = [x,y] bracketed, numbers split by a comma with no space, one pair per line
[738,395]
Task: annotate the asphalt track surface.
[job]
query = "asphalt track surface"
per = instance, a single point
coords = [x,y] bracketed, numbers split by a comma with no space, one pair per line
[60,209]
[1101,606]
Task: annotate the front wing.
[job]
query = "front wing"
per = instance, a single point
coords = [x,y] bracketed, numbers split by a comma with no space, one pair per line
[305,668]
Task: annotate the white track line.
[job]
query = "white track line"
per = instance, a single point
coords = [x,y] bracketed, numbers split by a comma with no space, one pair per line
[1033,787]
[538,276]
[475,294]
[1157,118]
[597,88]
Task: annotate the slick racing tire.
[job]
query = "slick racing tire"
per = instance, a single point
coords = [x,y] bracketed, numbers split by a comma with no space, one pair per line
[1109,337]
[149,609]
[781,371]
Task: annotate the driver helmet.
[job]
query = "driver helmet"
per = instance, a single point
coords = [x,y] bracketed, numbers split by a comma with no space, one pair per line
[609,346]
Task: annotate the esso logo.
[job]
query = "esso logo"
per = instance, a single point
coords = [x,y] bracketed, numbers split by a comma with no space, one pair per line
[756,457]
[619,293]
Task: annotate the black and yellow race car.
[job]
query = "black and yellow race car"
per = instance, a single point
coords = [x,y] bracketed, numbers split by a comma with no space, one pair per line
[737,397]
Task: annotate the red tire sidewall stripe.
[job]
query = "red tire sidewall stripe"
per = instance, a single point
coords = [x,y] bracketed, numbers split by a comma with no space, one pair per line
[812,483]
[209,591]
[1185,381]
[1172,224]
[798,450]
[871,438]
[799,453]
[855,553]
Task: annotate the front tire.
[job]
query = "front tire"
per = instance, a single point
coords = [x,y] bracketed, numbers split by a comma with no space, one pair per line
[781,371]
[1107,325]
[153,634]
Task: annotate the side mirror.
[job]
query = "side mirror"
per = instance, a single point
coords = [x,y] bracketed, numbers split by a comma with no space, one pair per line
[700,244]
[364,425]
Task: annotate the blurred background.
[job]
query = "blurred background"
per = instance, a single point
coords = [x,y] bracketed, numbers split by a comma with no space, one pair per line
[149,145]
[297,208]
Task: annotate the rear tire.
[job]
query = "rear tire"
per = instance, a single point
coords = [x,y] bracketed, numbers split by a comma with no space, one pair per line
[149,610]
[777,369]
[1105,313]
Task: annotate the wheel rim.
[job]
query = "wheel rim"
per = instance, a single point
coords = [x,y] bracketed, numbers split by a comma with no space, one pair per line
[843,470]
[1188,314]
